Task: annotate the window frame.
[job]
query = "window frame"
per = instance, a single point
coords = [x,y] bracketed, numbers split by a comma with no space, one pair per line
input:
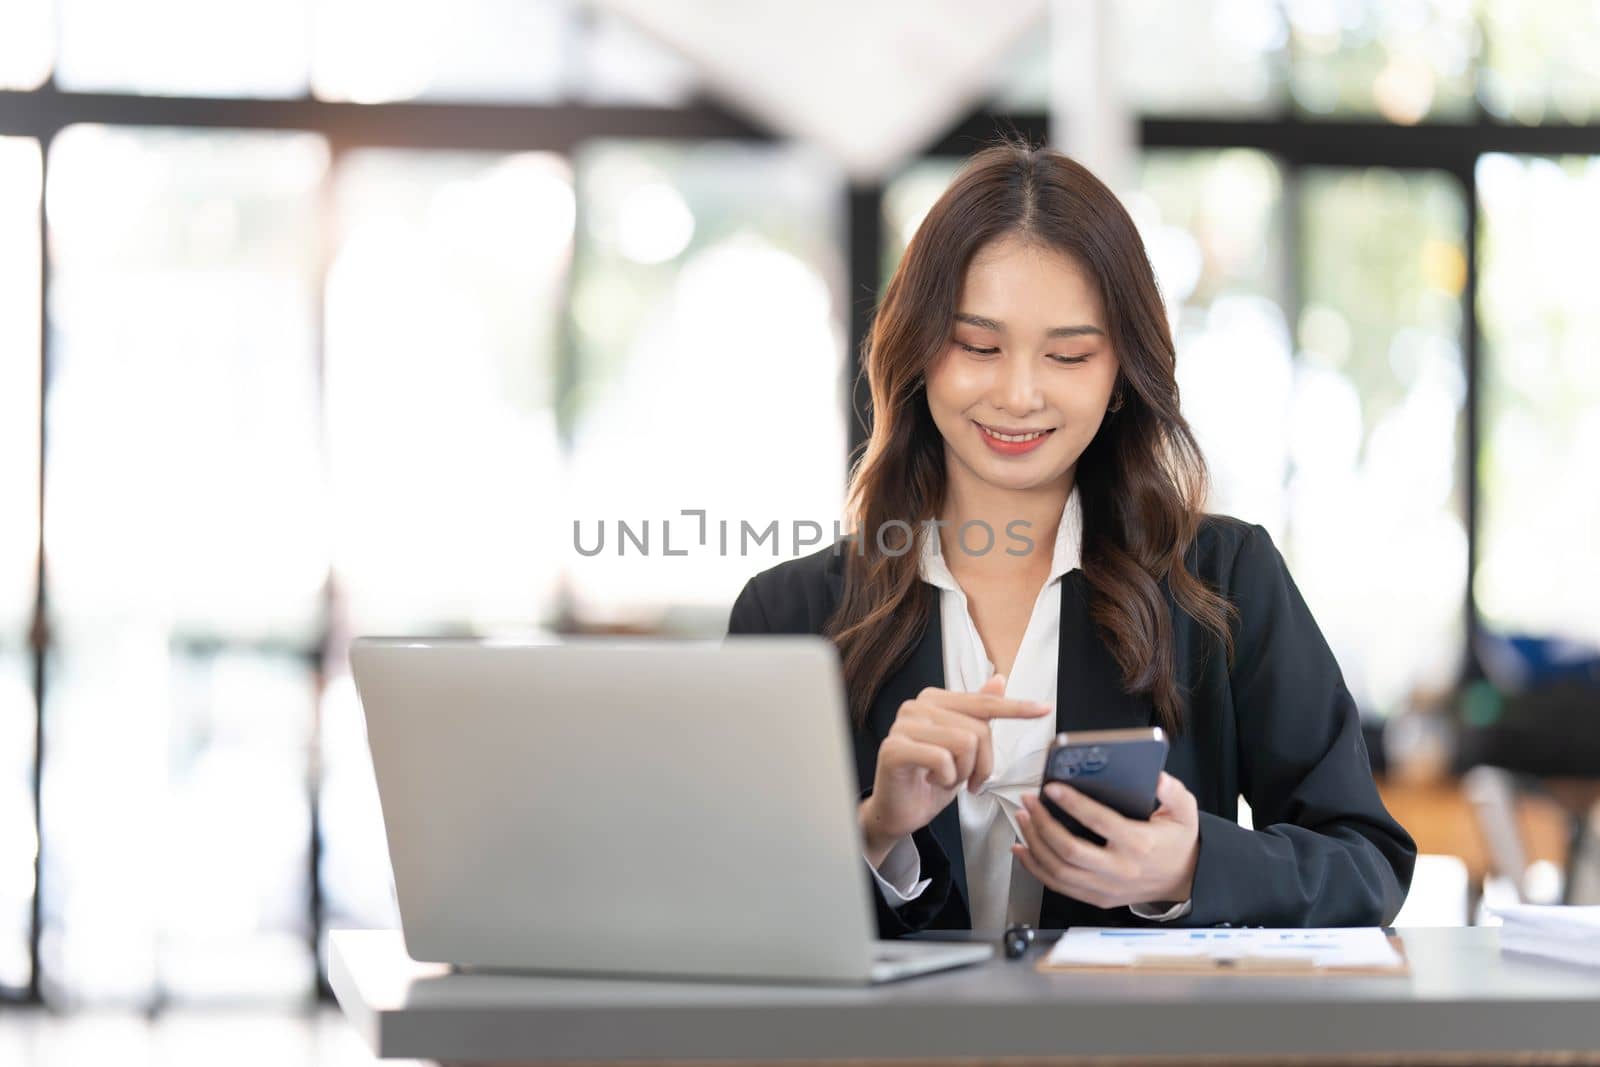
[1296,142]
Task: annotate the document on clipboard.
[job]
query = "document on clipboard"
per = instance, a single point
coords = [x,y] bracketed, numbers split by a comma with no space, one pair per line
[1337,950]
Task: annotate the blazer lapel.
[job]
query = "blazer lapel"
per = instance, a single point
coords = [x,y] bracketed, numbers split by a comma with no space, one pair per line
[925,667]
[1089,693]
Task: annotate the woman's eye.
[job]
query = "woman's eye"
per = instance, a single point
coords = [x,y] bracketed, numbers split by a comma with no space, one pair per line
[975,350]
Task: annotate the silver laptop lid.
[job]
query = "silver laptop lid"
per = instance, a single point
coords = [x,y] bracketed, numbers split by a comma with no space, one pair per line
[649,807]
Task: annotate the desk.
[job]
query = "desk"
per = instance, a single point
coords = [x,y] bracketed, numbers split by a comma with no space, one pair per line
[1463,1003]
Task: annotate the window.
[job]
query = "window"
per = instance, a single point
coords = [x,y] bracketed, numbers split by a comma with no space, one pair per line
[442,330]
[1537,571]
[1213,228]
[707,326]
[1200,57]
[507,51]
[906,201]
[1539,61]
[1377,529]
[184,47]
[443,303]
[183,320]
[369,51]
[26,44]
[1404,62]
[182,415]
[20,177]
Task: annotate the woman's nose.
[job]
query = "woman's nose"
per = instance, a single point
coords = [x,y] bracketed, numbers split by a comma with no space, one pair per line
[1018,386]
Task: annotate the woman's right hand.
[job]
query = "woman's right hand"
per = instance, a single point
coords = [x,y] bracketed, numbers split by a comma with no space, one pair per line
[939,742]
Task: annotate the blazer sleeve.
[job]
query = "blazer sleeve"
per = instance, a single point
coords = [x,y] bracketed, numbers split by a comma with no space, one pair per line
[747,615]
[1325,851]
[931,908]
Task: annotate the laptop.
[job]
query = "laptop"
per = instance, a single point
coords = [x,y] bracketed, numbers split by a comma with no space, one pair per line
[628,807]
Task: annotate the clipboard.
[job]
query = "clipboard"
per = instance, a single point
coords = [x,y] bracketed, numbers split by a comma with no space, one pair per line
[1158,963]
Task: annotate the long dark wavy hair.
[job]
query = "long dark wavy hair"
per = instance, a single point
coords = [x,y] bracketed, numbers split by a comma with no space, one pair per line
[1141,481]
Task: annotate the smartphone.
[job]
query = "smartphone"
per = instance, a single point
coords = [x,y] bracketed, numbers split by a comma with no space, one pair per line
[1119,768]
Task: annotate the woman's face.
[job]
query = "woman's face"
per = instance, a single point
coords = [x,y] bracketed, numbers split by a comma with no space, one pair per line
[1028,354]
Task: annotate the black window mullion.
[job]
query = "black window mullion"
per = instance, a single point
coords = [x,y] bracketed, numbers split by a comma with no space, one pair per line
[1466,173]
[40,637]
[332,622]
[864,245]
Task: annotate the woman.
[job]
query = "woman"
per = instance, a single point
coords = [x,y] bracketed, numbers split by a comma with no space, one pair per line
[1029,554]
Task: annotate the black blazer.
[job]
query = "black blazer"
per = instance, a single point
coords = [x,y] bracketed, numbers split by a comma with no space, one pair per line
[1279,728]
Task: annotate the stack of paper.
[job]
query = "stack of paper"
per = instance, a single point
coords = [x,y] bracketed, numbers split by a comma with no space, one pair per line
[1553,931]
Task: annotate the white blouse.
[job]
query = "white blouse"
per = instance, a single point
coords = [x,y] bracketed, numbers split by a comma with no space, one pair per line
[1002,890]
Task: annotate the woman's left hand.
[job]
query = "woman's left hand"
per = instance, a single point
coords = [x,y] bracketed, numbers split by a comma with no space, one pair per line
[1142,861]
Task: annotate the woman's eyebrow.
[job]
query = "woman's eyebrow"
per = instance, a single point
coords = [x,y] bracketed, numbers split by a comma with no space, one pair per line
[1055,331]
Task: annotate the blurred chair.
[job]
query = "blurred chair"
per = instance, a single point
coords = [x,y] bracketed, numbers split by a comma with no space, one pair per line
[1533,725]
[1492,792]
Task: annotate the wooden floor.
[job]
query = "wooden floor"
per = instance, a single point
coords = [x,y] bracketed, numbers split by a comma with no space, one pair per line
[1441,820]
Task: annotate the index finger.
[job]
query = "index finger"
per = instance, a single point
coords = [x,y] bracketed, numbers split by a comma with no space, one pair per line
[989,706]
